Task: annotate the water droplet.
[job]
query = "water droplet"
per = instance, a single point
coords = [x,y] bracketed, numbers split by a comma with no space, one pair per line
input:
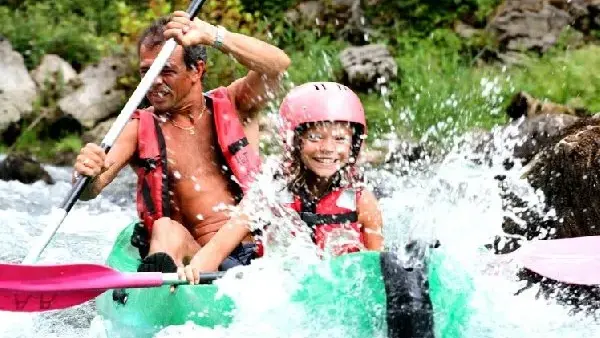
[200,217]
[177,174]
[197,187]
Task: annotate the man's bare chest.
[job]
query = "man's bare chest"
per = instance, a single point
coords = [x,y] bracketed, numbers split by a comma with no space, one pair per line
[191,156]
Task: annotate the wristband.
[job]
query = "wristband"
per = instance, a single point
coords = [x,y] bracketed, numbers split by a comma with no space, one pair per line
[219,35]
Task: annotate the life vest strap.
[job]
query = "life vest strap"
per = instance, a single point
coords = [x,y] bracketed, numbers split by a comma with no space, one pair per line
[238,145]
[312,219]
[147,196]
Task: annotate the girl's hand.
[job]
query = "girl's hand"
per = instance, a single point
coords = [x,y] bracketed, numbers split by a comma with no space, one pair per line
[190,273]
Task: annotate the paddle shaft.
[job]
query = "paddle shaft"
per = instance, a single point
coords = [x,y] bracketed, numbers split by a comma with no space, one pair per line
[205,278]
[110,137]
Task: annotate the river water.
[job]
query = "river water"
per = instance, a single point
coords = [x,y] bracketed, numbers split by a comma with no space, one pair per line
[455,200]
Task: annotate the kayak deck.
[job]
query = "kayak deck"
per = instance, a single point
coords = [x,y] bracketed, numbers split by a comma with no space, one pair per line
[349,291]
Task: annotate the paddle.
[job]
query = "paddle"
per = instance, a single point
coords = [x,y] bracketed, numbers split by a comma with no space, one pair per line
[54,287]
[110,137]
[570,260]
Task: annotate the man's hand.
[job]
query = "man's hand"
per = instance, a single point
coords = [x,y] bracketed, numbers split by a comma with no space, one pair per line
[91,161]
[189,33]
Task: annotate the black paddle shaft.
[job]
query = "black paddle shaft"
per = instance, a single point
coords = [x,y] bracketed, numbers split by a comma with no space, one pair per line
[83,181]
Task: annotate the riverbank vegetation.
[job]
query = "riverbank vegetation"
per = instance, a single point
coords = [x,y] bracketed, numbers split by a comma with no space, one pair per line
[447,83]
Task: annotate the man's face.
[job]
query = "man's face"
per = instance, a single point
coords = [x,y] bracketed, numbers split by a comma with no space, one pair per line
[171,87]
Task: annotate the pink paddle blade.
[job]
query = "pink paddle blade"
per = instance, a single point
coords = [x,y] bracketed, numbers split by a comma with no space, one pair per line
[570,260]
[29,288]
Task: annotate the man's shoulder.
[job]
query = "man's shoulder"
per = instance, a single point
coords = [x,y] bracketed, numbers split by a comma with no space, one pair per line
[138,113]
[218,92]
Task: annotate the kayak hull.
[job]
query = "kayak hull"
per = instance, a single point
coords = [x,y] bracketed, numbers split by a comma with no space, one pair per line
[367,293]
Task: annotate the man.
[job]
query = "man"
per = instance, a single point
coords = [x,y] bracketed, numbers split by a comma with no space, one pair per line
[180,146]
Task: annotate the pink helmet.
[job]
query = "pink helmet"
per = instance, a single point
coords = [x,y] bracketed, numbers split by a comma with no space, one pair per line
[318,102]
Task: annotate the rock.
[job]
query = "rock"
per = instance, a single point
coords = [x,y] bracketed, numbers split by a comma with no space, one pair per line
[10,135]
[522,138]
[350,16]
[308,12]
[368,66]
[17,89]
[534,133]
[97,98]
[63,158]
[98,132]
[465,31]
[60,126]
[53,70]
[566,172]
[585,13]
[341,18]
[522,25]
[513,58]
[396,152]
[24,169]
[523,104]
[342,5]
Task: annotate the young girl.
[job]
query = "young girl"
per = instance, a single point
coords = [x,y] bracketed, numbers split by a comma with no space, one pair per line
[323,129]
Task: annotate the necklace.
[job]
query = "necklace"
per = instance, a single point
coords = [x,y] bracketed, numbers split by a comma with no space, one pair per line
[191,129]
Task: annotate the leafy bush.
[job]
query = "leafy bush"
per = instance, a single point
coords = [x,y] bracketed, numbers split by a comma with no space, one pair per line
[563,76]
[268,8]
[69,28]
[426,15]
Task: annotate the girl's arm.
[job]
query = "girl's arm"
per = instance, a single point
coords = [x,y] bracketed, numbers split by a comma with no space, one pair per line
[211,255]
[369,216]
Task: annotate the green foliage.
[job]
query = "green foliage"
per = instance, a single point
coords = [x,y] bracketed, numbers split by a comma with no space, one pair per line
[268,8]
[438,92]
[44,149]
[315,60]
[423,16]
[69,28]
[28,142]
[221,70]
[133,20]
[442,88]
[70,143]
[230,14]
[565,77]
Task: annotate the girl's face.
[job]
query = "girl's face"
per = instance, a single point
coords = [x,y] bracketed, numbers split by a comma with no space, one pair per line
[326,147]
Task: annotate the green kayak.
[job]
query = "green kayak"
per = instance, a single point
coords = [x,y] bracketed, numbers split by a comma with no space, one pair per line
[367,293]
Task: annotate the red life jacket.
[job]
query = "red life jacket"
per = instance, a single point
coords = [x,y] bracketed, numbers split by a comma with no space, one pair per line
[151,166]
[334,221]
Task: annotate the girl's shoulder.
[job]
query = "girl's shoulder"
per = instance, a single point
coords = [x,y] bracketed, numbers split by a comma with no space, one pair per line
[367,199]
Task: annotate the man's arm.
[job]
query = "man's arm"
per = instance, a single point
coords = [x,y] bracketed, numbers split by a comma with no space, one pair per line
[371,219]
[265,62]
[105,167]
